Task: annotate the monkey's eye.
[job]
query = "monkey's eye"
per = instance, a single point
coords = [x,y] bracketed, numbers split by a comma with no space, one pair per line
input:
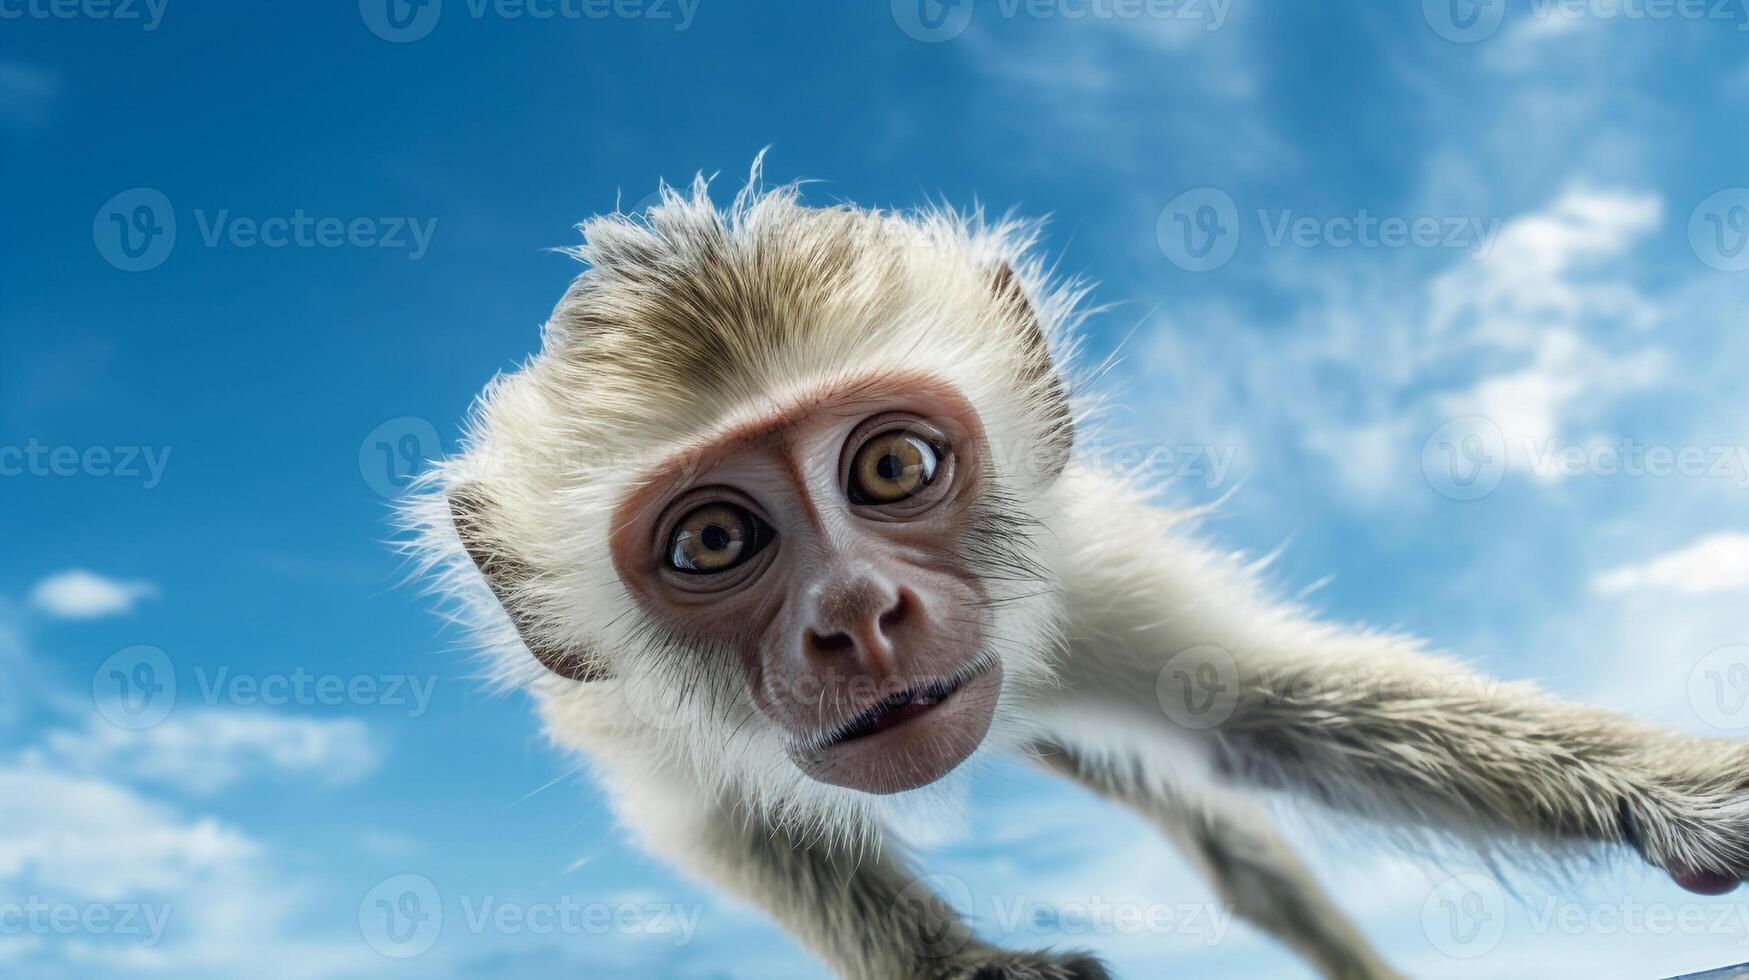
[715,538]
[892,466]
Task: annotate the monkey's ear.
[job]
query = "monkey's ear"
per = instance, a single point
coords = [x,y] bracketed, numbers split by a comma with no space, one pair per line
[1039,367]
[504,573]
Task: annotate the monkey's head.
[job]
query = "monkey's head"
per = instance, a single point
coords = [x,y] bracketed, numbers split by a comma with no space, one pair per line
[774,489]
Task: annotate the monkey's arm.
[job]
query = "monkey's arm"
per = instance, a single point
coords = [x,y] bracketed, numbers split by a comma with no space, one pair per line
[856,907]
[1230,840]
[1368,722]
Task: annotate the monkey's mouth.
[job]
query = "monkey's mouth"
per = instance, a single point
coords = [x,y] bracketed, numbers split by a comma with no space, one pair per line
[895,710]
[907,739]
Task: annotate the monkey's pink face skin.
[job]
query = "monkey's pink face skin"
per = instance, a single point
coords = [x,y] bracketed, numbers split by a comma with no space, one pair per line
[823,548]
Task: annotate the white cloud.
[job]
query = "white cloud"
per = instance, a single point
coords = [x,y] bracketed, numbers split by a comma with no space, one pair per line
[84,835]
[205,899]
[176,893]
[79,594]
[207,751]
[1716,563]
[1542,335]
[1536,272]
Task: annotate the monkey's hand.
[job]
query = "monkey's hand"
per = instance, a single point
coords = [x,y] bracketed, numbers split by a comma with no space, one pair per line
[1692,818]
[999,964]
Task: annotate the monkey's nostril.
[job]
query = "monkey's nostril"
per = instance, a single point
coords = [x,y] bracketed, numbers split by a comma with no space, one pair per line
[831,642]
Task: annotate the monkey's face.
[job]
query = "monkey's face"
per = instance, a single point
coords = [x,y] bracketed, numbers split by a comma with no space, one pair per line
[777,483]
[830,548]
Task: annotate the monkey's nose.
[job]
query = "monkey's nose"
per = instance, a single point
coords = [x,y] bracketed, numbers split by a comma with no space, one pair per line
[860,627]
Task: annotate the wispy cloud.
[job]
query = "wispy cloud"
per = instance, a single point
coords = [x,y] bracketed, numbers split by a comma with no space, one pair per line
[208,751]
[80,594]
[1540,335]
[1716,563]
[95,824]
[179,895]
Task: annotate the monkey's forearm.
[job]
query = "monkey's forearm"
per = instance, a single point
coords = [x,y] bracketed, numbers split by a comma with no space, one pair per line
[1417,737]
[856,907]
[1249,864]
[1369,723]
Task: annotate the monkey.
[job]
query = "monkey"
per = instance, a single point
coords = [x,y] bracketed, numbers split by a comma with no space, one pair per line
[783,526]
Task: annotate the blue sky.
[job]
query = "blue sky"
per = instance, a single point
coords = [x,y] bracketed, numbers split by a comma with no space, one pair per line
[1457,335]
